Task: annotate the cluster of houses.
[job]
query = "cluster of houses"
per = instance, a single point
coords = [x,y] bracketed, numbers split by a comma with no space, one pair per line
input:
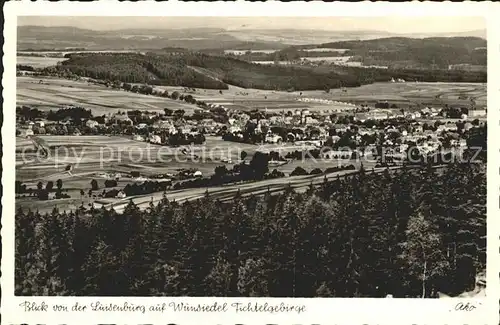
[356,132]
[384,114]
[314,127]
[421,128]
[397,140]
[113,119]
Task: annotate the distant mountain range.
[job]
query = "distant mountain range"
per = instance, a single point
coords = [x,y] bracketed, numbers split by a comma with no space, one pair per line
[302,36]
[481,33]
[50,38]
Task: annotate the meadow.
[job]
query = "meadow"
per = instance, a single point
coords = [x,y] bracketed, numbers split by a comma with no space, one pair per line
[54,93]
[403,94]
[90,156]
[427,93]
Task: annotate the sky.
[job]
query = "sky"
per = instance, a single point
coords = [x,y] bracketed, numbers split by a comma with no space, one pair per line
[395,24]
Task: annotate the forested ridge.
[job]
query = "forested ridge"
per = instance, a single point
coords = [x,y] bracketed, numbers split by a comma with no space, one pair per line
[428,52]
[174,69]
[137,68]
[408,233]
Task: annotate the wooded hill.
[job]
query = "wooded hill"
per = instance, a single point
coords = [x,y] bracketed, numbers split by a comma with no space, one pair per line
[176,69]
[402,52]
[408,233]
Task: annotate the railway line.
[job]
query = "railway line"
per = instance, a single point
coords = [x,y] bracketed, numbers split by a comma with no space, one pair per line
[227,192]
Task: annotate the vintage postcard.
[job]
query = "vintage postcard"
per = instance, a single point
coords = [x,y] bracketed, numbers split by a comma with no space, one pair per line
[241,163]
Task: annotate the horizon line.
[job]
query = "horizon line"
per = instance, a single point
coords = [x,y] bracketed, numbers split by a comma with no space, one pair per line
[256,28]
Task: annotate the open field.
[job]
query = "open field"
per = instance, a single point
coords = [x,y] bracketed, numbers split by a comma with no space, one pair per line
[120,154]
[57,92]
[342,59]
[410,92]
[53,93]
[38,62]
[324,49]
[403,94]
[92,155]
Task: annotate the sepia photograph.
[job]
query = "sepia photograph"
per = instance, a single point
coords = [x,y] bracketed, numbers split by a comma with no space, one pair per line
[292,157]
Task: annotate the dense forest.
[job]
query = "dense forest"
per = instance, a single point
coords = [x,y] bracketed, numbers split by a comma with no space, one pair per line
[409,233]
[397,52]
[136,68]
[199,70]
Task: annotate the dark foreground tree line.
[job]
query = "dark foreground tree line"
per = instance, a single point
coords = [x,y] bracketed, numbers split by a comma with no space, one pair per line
[409,233]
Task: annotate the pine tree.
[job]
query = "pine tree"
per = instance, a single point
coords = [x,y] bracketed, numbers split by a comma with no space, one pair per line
[284,238]
[237,234]
[80,248]
[42,257]
[466,231]
[312,255]
[323,291]
[252,279]
[135,250]
[24,252]
[103,273]
[61,255]
[219,279]
[190,253]
[164,280]
[148,245]
[356,236]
